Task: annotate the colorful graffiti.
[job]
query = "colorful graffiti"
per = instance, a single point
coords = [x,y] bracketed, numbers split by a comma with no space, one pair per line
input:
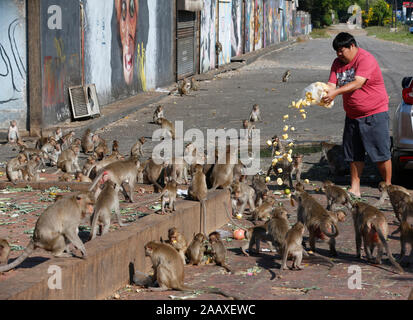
[225,27]
[236,38]
[258,24]
[249,26]
[13,66]
[207,46]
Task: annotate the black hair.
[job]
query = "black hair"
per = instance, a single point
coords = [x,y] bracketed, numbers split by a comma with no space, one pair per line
[343,40]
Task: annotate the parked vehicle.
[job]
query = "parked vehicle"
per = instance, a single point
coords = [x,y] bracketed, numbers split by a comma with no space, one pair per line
[402,151]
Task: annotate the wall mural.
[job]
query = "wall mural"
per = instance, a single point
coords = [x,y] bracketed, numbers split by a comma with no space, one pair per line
[258,24]
[207,47]
[249,26]
[13,65]
[225,27]
[236,31]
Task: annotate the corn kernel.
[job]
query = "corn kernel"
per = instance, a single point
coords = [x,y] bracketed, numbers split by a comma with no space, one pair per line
[267,179]
[280,170]
[285,136]
[307,181]
[277,153]
[292,129]
[304,115]
[285,128]
[279,181]
[269,143]
[285,117]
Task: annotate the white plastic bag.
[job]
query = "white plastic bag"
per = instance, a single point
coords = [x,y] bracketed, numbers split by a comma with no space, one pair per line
[315,92]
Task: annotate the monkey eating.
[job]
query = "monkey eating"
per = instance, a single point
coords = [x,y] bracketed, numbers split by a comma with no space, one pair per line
[336,196]
[158,114]
[255,114]
[293,246]
[219,252]
[196,249]
[177,240]
[14,168]
[57,227]
[169,191]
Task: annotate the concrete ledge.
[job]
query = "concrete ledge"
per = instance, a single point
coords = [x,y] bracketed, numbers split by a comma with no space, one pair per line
[106,268]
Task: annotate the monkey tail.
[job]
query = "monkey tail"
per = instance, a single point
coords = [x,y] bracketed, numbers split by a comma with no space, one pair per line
[203,208]
[20,259]
[389,254]
[94,224]
[323,229]
[209,290]
[231,219]
[96,180]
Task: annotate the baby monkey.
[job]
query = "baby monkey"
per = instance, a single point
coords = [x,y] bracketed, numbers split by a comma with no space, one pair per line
[169,191]
[336,196]
[158,114]
[177,240]
[255,114]
[219,251]
[196,249]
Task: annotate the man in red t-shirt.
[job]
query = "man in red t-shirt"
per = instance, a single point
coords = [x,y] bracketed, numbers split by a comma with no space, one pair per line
[356,75]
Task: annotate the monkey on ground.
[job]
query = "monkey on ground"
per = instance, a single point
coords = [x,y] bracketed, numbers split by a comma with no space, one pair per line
[87,143]
[115,146]
[82,178]
[152,172]
[219,252]
[198,191]
[371,229]
[242,194]
[32,152]
[107,201]
[223,171]
[194,84]
[14,168]
[336,196]
[264,211]
[4,251]
[196,249]
[169,191]
[169,269]
[396,194]
[248,126]
[66,177]
[94,168]
[119,172]
[13,132]
[30,171]
[89,164]
[286,76]
[277,147]
[55,154]
[177,240]
[406,229]
[158,114]
[67,140]
[178,170]
[137,150]
[49,147]
[184,87]
[168,127]
[57,227]
[69,160]
[260,187]
[334,155]
[255,114]
[292,245]
[287,168]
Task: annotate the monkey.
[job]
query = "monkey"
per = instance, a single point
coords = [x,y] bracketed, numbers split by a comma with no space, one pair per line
[169,269]
[57,227]
[183,87]
[82,178]
[395,193]
[219,252]
[218,47]
[87,167]
[222,174]
[263,212]
[30,152]
[49,149]
[158,114]
[101,148]
[66,177]
[194,84]
[21,144]
[4,251]
[288,168]
[87,142]
[107,201]
[196,249]
[29,172]
[152,172]
[255,114]
[334,155]
[248,126]
[406,228]
[286,76]
[14,168]
[237,173]
[177,240]
[292,245]
[198,191]
[54,156]
[336,196]
[260,188]
[119,172]
[178,170]
[67,140]
[41,141]
[13,132]
[276,146]
[167,126]
[93,169]
[410,295]
[136,150]
[371,228]
[68,160]
[57,134]
[115,146]
[169,191]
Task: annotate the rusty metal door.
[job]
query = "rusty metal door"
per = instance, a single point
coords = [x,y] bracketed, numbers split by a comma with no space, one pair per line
[186,31]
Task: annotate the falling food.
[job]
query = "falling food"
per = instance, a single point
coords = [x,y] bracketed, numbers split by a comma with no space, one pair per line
[274,162]
[285,128]
[280,170]
[307,181]
[279,181]
[292,129]
[285,117]
[268,179]
[269,143]
[285,136]
[303,115]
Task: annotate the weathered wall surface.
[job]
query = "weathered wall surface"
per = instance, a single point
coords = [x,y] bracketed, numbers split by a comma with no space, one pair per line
[13,64]
[207,45]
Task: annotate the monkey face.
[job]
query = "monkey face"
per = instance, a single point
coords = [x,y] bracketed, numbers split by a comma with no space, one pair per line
[127,16]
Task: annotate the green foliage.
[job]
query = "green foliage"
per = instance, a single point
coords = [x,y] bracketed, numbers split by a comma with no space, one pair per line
[382,12]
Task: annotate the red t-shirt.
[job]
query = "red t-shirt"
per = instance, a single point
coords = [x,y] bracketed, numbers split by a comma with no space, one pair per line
[372,97]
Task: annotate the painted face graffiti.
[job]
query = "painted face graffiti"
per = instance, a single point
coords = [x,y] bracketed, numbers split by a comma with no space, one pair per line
[127,16]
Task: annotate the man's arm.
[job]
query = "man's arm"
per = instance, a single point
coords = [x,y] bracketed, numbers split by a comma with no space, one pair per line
[349,87]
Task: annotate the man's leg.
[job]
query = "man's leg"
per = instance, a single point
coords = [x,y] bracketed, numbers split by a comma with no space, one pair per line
[385,170]
[356,169]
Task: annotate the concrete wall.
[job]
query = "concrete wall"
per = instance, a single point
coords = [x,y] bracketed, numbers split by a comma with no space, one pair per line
[225,28]
[236,28]
[13,64]
[207,35]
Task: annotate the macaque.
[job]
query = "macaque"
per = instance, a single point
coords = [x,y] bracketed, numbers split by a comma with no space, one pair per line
[194,84]
[115,146]
[158,114]
[13,132]
[169,269]
[184,87]
[371,228]
[285,169]
[87,167]
[66,177]
[30,152]
[57,227]
[406,229]
[336,196]
[152,172]
[48,148]
[67,140]
[249,126]
[169,191]
[101,148]
[178,170]
[4,251]
[263,212]
[255,114]
[14,168]
[103,163]
[396,194]
[219,252]
[107,201]
[57,134]
[334,155]
[82,178]
[167,126]
[277,147]
[68,160]
[222,173]
[119,172]
[30,171]
[218,47]
[177,240]
[87,142]
[198,191]
[261,189]
[293,246]
[196,249]
[54,156]
[286,76]
[136,150]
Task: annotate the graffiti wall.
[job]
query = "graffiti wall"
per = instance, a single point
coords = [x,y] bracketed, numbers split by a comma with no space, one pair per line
[236,31]
[207,46]
[13,64]
[133,40]
[271,22]
[60,54]
[249,26]
[225,27]
[258,24]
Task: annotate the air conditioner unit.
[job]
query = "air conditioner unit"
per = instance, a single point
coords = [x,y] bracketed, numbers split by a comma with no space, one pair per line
[84,101]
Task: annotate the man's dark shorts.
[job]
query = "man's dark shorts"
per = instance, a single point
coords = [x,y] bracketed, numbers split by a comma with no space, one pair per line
[369,134]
